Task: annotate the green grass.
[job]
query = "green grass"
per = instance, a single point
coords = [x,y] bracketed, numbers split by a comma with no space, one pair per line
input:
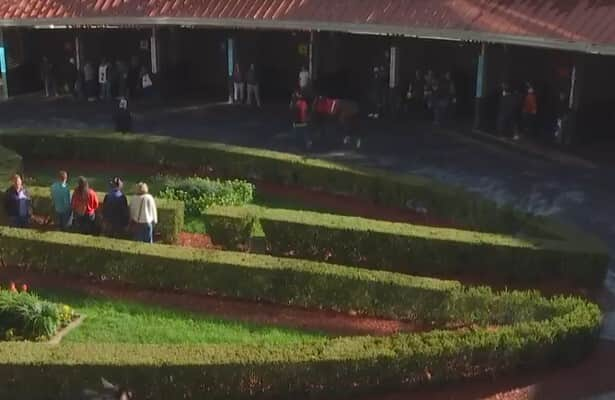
[120,321]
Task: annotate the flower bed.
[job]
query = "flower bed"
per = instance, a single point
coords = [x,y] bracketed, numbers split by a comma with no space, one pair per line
[500,331]
[23,316]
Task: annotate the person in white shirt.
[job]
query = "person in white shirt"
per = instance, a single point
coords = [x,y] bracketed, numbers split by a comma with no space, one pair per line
[143,214]
[103,80]
[304,78]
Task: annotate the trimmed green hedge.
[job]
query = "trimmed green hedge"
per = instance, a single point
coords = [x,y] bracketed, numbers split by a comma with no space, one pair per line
[170,212]
[416,249]
[531,330]
[10,163]
[444,202]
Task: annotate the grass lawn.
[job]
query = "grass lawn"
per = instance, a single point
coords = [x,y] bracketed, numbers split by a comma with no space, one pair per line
[120,321]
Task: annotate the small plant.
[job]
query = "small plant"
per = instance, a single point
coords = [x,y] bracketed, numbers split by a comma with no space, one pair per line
[200,193]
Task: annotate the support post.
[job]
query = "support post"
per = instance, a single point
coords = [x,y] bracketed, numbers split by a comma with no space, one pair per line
[4,91]
[481,73]
[154,51]
[312,63]
[230,64]
[78,52]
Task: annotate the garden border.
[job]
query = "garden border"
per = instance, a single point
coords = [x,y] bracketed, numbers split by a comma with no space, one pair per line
[411,248]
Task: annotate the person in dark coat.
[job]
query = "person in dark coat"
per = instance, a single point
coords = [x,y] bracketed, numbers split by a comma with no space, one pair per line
[116,214]
[122,117]
[17,203]
[508,111]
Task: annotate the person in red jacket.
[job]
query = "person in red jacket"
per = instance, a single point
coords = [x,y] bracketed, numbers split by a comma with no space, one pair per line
[84,205]
[529,111]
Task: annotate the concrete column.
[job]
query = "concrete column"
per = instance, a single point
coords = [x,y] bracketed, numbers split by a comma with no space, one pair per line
[154,49]
[481,81]
[230,64]
[4,91]
[78,51]
[313,56]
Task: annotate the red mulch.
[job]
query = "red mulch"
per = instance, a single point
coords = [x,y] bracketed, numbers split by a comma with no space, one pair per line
[196,240]
[239,310]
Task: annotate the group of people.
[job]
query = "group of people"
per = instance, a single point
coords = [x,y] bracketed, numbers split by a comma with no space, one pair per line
[245,79]
[104,81]
[518,114]
[432,95]
[80,212]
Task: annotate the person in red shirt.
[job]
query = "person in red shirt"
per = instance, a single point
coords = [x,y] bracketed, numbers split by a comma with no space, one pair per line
[84,205]
[529,111]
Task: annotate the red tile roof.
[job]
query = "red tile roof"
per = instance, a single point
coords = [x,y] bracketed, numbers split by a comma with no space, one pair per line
[575,24]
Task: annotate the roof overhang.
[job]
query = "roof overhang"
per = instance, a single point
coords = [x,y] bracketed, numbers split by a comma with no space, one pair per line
[304,25]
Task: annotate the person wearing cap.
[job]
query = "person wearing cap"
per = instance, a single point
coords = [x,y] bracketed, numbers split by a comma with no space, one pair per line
[143,214]
[115,212]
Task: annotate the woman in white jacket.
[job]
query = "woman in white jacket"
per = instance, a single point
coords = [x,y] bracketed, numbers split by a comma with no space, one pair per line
[143,214]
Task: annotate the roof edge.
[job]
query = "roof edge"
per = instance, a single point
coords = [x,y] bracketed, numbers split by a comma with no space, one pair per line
[356,28]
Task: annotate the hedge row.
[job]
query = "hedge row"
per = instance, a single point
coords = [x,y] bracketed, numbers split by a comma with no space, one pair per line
[412,249]
[531,330]
[170,212]
[10,163]
[444,202]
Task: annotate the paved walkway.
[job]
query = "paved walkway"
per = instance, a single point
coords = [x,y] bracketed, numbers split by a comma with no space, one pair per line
[573,193]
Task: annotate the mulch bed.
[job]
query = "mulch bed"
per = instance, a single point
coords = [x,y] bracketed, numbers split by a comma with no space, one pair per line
[329,322]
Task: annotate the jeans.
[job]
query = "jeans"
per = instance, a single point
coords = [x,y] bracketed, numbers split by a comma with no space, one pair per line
[19,222]
[64,220]
[238,92]
[144,233]
[253,91]
[105,90]
[85,224]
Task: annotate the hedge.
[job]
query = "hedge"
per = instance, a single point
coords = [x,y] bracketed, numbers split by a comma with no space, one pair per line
[444,202]
[507,331]
[416,249]
[10,163]
[170,212]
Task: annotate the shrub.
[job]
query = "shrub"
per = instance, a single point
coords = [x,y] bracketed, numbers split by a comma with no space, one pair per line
[496,338]
[170,212]
[232,230]
[449,203]
[198,194]
[24,315]
[415,249]
[10,163]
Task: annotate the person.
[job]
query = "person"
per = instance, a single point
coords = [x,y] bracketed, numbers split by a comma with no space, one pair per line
[116,214]
[416,93]
[143,214]
[60,197]
[449,85]
[122,117]
[147,85]
[440,102]
[507,113]
[377,92]
[238,85]
[562,131]
[122,76]
[304,79]
[48,78]
[253,86]
[89,77]
[104,79]
[84,205]
[17,203]
[529,110]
